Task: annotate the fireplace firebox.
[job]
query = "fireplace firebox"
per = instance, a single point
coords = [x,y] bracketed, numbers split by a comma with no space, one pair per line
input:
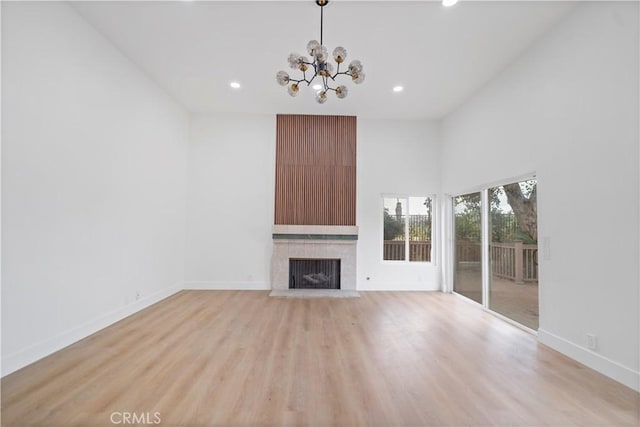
[314,274]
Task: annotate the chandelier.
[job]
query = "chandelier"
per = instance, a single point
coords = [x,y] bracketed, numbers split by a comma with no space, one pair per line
[320,67]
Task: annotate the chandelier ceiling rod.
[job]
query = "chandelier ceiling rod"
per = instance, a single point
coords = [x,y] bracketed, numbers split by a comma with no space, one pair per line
[322,5]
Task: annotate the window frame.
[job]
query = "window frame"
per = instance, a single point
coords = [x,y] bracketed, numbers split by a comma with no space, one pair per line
[407,241]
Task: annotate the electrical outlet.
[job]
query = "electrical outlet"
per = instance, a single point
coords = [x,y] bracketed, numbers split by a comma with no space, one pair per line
[592,342]
[137,295]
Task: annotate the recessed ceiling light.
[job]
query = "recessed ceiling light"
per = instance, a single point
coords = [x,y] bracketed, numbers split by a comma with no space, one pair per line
[235,85]
[398,89]
[449,3]
[317,87]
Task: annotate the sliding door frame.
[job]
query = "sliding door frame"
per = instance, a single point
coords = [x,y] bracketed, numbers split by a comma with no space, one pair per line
[449,267]
[485,251]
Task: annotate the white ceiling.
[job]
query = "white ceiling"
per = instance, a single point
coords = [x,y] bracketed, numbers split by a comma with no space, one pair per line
[440,55]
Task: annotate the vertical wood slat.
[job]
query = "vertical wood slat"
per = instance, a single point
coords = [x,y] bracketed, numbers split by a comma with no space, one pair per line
[315,170]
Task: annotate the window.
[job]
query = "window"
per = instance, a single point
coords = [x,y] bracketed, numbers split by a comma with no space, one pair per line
[407,228]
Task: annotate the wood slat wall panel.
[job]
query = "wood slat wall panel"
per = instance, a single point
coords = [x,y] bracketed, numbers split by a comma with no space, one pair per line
[315,170]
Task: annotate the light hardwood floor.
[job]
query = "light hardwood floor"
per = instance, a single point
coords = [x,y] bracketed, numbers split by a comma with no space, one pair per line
[236,358]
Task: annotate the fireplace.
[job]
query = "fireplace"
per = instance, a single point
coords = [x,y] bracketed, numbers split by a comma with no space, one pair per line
[314,274]
[315,200]
[314,242]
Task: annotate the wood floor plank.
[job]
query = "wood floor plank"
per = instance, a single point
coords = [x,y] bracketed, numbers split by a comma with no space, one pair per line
[241,358]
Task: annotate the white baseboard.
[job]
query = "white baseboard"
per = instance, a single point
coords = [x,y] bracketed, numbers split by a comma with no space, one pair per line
[223,286]
[367,286]
[595,361]
[35,352]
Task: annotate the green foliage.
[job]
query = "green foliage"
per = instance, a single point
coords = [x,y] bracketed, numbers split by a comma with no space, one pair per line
[525,238]
[393,227]
[505,226]
[468,203]
[467,211]
[420,228]
[468,226]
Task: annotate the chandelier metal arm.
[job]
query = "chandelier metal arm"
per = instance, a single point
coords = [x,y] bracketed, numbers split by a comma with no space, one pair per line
[300,81]
[304,79]
[344,73]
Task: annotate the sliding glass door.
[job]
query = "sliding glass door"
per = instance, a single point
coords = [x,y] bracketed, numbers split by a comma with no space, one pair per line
[468,246]
[513,252]
[496,231]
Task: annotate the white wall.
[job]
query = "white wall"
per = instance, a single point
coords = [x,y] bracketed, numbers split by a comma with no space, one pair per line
[230,201]
[395,157]
[93,183]
[0,202]
[568,110]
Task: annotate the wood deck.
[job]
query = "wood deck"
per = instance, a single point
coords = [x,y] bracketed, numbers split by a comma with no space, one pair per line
[214,358]
[517,301]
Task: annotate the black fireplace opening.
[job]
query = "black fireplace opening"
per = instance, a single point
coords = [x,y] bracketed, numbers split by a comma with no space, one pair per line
[314,274]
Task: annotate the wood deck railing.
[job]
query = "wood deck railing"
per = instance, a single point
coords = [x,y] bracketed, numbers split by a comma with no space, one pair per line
[514,260]
[419,250]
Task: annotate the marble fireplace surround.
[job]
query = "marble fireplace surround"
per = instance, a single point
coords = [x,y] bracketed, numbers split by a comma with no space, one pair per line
[314,242]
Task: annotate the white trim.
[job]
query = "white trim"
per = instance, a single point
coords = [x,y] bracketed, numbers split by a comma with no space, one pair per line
[447,235]
[497,183]
[485,241]
[227,285]
[595,361]
[407,248]
[400,286]
[435,232]
[405,262]
[35,352]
